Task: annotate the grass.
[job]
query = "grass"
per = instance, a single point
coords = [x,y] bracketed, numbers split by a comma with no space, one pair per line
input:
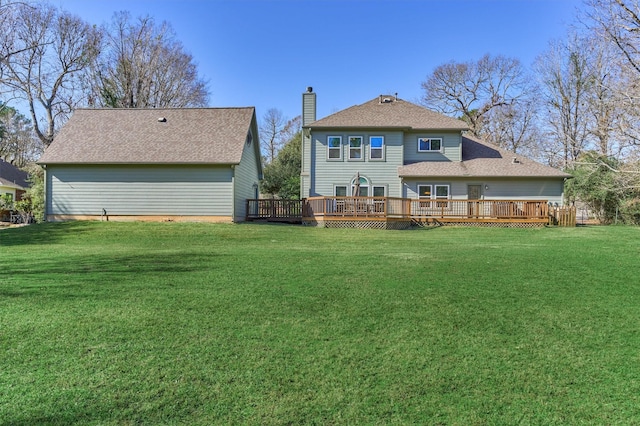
[143,323]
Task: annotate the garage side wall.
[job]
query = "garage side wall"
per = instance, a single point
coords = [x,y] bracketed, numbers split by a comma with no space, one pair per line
[164,191]
[247,177]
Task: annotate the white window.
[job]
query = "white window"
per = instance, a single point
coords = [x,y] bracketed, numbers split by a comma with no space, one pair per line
[360,187]
[429,145]
[355,148]
[334,147]
[442,193]
[433,192]
[340,191]
[379,191]
[378,201]
[424,193]
[376,148]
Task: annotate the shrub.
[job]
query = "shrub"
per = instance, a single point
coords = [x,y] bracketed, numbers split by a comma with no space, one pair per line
[630,211]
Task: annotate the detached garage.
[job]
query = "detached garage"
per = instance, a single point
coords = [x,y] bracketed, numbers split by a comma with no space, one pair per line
[196,164]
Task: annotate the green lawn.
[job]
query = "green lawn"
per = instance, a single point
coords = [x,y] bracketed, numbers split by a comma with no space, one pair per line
[149,323]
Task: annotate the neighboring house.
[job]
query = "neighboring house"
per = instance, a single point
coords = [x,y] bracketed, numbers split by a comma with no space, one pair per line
[388,147]
[191,164]
[13,181]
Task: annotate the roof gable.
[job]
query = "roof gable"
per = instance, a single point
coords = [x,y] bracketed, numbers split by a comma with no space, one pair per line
[389,112]
[152,136]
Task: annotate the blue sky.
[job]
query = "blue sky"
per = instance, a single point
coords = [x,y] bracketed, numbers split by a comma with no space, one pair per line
[264,53]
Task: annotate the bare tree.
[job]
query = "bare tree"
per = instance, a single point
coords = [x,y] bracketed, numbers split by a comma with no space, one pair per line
[42,60]
[275,131]
[142,65]
[7,27]
[470,90]
[618,22]
[606,107]
[567,81]
[514,127]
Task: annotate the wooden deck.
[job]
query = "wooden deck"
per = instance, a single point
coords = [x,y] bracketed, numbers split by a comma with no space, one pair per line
[399,211]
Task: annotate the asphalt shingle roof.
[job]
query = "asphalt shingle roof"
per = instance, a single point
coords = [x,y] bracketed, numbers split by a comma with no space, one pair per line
[139,136]
[12,176]
[481,159]
[388,112]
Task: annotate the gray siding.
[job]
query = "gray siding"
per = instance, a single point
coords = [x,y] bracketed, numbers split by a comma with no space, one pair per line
[551,190]
[325,173]
[246,177]
[451,144]
[308,108]
[530,189]
[140,190]
[305,173]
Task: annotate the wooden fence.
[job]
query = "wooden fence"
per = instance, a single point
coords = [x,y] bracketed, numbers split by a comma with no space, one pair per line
[562,216]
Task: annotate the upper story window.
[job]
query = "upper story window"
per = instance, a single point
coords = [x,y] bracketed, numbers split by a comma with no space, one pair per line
[429,144]
[376,148]
[355,148]
[334,147]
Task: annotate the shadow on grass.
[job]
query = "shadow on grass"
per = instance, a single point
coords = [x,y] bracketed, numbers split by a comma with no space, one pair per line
[68,274]
[40,233]
[106,412]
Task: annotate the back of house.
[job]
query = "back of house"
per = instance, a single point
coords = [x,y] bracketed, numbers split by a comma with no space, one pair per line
[394,148]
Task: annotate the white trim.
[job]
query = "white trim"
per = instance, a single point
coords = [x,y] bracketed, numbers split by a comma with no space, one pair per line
[340,186]
[424,204]
[329,148]
[384,188]
[439,197]
[428,140]
[433,194]
[367,185]
[382,150]
[361,158]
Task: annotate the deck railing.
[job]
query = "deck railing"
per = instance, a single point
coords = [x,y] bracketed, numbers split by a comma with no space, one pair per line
[274,210]
[367,207]
[480,209]
[390,207]
[380,208]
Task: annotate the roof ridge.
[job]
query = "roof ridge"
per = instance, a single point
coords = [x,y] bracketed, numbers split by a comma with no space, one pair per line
[161,109]
[389,111]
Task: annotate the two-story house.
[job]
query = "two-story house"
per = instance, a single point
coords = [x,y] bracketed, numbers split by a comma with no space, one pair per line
[388,147]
